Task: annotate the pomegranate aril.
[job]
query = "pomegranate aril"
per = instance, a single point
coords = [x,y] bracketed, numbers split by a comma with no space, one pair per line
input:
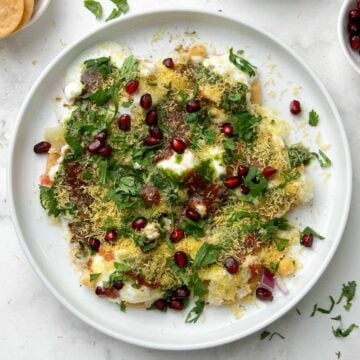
[232,182]
[150,141]
[353,28]
[269,171]
[94,243]
[243,171]
[105,151]
[295,107]
[156,132]
[192,214]
[231,265]
[101,136]
[95,146]
[180,259]
[110,236]
[177,235]
[176,305]
[160,304]
[358,4]
[146,101]
[42,147]
[131,86]
[193,106]
[139,223]
[169,63]
[354,14]
[151,117]
[125,122]
[264,294]
[182,292]
[227,129]
[355,42]
[100,291]
[178,145]
[118,285]
[244,189]
[307,240]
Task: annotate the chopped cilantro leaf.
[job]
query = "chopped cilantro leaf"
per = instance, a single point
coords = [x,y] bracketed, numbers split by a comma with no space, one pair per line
[309,231]
[122,306]
[245,126]
[102,64]
[241,63]
[314,310]
[256,182]
[324,161]
[337,318]
[206,169]
[95,7]
[94,276]
[348,291]
[49,202]
[281,243]
[313,118]
[195,229]
[195,312]
[233,100]
[122,7]
[197,285]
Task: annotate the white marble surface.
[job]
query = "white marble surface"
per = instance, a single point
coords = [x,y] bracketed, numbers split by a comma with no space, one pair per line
[34,325]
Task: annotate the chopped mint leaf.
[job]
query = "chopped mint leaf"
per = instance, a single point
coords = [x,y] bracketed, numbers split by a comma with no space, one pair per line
[95,7]
[313,118]
[245,126]
[242,63]
[327,311]
[206,255]
[264,334]
[122,306]
[195,312]
[339,332]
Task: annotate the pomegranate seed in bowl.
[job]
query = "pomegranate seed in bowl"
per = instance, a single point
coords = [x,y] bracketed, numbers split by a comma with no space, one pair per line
[264,294]
[125,122]
[180,259]
[151,117]
[160,304]
[295,107]
[42,147]
[146,101]
[355,42]
[139,223]
[177,235]
[169,63]
[354,14]
[178,145]
[131,86]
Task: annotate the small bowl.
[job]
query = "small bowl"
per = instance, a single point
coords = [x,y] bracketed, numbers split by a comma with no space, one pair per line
[353,57]
[39,9]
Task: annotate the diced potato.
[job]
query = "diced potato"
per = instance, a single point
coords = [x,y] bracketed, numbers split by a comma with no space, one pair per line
[55,136]
[197,50]
[286,267]
[256,93]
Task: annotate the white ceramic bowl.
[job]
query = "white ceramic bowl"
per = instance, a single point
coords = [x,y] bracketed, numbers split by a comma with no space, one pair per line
[43,242]
[39,9]
[353,57]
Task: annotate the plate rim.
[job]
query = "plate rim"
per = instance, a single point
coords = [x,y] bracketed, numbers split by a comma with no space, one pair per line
[204,344]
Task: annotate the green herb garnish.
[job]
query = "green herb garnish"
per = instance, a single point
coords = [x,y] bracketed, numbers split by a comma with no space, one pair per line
[327,311]
[324,161]
[309,231]
[206,255]
[95,7]
[339,332]
[298,155]
[94,276]
[313,118]
[195,312]
[348,291]
[241,63]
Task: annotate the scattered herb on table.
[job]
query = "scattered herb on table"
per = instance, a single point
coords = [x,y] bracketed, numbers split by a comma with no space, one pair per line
[95,7]
[266,334]
[348,291]
[329,310]
[338,354]
[340,332]
[298,311]
[121,7]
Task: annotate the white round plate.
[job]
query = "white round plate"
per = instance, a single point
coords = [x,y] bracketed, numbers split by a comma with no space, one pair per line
[282,75]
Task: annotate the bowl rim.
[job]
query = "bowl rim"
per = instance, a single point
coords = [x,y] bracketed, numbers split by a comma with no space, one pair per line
[342,35]
[221,341]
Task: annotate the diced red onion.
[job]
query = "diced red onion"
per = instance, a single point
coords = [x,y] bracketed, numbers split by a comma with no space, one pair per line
[267,280]
[281,285]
